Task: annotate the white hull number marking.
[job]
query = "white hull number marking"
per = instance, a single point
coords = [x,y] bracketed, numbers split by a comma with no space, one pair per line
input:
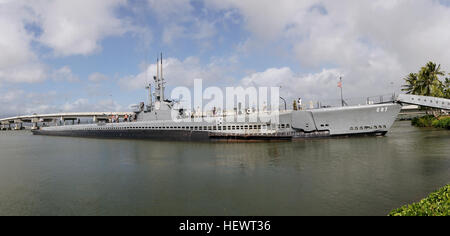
[382,109]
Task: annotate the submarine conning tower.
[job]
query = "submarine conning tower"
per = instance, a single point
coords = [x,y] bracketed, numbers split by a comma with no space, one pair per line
[159,102]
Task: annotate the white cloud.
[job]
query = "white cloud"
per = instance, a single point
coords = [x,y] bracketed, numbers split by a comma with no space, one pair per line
[18,62]
[64,74]
[373,43]
[29,72]
[16,102]
[172,32]
[322,86]
[316,86]
[11,95]
[265,18]
[172,10]
[75,27]
[178,73]
[14,43]
[180,21]
[70,27]
[97,77]
[85,105]
[20,102]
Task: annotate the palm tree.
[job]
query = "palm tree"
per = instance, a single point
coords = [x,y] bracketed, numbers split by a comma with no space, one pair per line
[411,84]
[447,88]
[428,82]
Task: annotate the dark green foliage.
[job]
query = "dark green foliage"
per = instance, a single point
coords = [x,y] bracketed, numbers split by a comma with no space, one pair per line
[411,84]
[424,121]
[436,204]
[447,88]
[427,82]
[442,123]
[431,121]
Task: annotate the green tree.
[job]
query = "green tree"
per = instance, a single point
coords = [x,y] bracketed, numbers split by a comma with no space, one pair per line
[428,82]
[411,84]
[447,88]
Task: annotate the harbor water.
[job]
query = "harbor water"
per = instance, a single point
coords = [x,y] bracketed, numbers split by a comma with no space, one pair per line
[43,175]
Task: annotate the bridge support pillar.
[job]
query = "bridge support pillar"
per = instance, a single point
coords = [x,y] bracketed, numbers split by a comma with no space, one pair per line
[18,126]
[94,119]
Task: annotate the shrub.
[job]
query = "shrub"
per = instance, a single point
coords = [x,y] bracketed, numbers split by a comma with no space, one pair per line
[442,123]
[436,204]
[424,121]
[431,121]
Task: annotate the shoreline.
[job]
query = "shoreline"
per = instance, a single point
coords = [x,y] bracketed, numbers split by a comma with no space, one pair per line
[435,204]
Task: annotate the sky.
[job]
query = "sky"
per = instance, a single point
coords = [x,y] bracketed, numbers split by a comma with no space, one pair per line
[97,55]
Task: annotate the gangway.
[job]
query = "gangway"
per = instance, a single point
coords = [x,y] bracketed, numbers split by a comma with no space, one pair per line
[425,101]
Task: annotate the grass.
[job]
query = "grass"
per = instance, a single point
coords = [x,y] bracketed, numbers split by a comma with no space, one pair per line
[436,204]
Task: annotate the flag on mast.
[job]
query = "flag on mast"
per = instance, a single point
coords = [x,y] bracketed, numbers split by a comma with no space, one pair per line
[340,86]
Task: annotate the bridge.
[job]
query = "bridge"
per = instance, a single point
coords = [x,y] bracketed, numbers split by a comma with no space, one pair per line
[17,122]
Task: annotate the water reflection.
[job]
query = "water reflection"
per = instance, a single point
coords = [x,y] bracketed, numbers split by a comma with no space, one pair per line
[347,176]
